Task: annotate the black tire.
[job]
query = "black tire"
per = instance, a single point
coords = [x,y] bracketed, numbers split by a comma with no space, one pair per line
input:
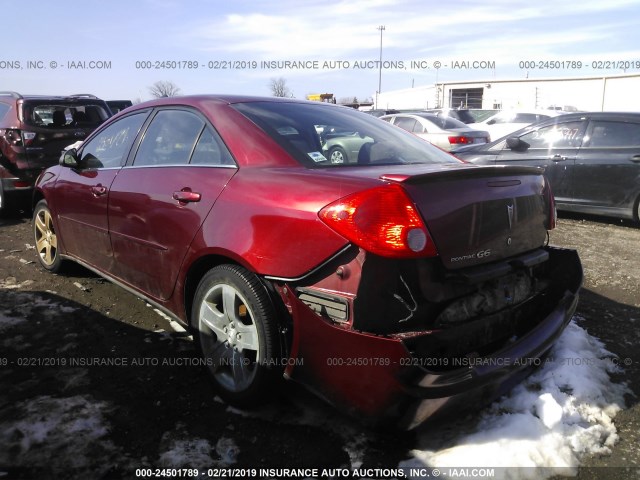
[4,207]
[45,238]
[337,155]
[238,334]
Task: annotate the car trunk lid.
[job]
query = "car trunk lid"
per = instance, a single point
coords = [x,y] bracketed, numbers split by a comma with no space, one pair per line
[478,215]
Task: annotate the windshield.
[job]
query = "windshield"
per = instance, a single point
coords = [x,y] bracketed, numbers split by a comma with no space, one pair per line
[321,136]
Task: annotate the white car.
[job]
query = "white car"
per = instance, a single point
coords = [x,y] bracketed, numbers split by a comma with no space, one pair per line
[508,121]
[442,131]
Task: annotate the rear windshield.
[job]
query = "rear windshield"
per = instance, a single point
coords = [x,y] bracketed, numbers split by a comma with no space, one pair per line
[445,123]
[463,115]
[60,114]
[313,133]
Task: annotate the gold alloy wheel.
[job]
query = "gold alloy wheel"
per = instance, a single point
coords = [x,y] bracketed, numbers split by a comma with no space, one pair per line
[45,237]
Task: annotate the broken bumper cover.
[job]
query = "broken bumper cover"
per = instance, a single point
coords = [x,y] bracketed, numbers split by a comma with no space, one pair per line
[392,378]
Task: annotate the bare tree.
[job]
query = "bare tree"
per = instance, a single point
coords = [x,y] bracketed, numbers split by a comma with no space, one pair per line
[164,88]
[279,88]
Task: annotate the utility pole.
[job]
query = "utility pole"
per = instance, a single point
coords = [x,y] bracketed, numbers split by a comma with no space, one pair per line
[381,28]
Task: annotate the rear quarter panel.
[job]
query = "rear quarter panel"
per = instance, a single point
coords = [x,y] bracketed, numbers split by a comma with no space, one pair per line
[267,219]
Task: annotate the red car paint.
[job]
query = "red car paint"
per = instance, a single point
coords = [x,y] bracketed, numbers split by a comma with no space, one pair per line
[157,229]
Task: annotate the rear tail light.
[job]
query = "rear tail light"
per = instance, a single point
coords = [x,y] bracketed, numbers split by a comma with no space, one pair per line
[382,220]
[552,214]
[462,140]
[18,138]
[28,137]
[21,184]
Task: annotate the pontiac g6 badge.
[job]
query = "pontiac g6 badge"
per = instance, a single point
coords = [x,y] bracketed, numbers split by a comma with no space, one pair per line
[510,215]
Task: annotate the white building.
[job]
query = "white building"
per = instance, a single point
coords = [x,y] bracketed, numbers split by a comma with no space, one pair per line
[603,93]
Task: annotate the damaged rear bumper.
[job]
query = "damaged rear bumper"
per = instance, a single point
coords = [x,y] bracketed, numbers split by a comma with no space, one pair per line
[405,379]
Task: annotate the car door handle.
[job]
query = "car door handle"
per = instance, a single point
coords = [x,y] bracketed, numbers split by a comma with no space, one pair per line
[98,190]
[558,158]
[635,159]
[186,196]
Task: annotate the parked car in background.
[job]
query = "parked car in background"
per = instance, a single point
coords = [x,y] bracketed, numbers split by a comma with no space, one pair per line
[444,132]
[508,121]
[118,105]
[33,132]
[342,146]
[592,160]
[375,284]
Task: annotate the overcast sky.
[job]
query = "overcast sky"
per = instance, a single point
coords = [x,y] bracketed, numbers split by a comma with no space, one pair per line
[221,46]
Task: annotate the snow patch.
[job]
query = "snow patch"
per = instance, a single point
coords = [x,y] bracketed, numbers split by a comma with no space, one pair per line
[182,451]
[8,322]
[193,453]
[561,413]
[63,435]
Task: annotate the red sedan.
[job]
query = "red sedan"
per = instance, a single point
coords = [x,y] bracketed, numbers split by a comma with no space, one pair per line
[397,285]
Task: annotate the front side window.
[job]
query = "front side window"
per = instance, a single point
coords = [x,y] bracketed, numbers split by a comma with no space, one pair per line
[560,135]
[111,146]
[170,139]
[310,133]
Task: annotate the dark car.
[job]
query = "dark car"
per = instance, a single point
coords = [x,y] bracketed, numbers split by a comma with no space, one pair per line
[592,160]
[34,130]
[398,287]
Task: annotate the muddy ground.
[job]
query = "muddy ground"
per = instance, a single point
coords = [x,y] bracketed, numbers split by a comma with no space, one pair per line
[159,406]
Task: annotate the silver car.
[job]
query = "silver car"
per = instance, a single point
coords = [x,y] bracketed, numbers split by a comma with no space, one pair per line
[444,132]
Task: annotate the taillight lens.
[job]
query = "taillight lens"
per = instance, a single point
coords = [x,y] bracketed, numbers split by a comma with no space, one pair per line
[462,140]
[28,137]
[382,220]
[19,138]
[552,214]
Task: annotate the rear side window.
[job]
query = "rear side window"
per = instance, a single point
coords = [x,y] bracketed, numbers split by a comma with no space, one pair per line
[170,139]
[614,134]
[111,146]
[210,150]
[406,123]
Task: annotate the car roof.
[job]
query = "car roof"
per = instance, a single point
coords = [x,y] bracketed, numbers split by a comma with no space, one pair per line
[549,113]
[414,114]
[194,100]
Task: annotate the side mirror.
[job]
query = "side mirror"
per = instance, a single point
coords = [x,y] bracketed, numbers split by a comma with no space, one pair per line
[514,143]
[69,158]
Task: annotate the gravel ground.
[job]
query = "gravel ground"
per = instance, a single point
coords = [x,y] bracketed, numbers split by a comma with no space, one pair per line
[160,409]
